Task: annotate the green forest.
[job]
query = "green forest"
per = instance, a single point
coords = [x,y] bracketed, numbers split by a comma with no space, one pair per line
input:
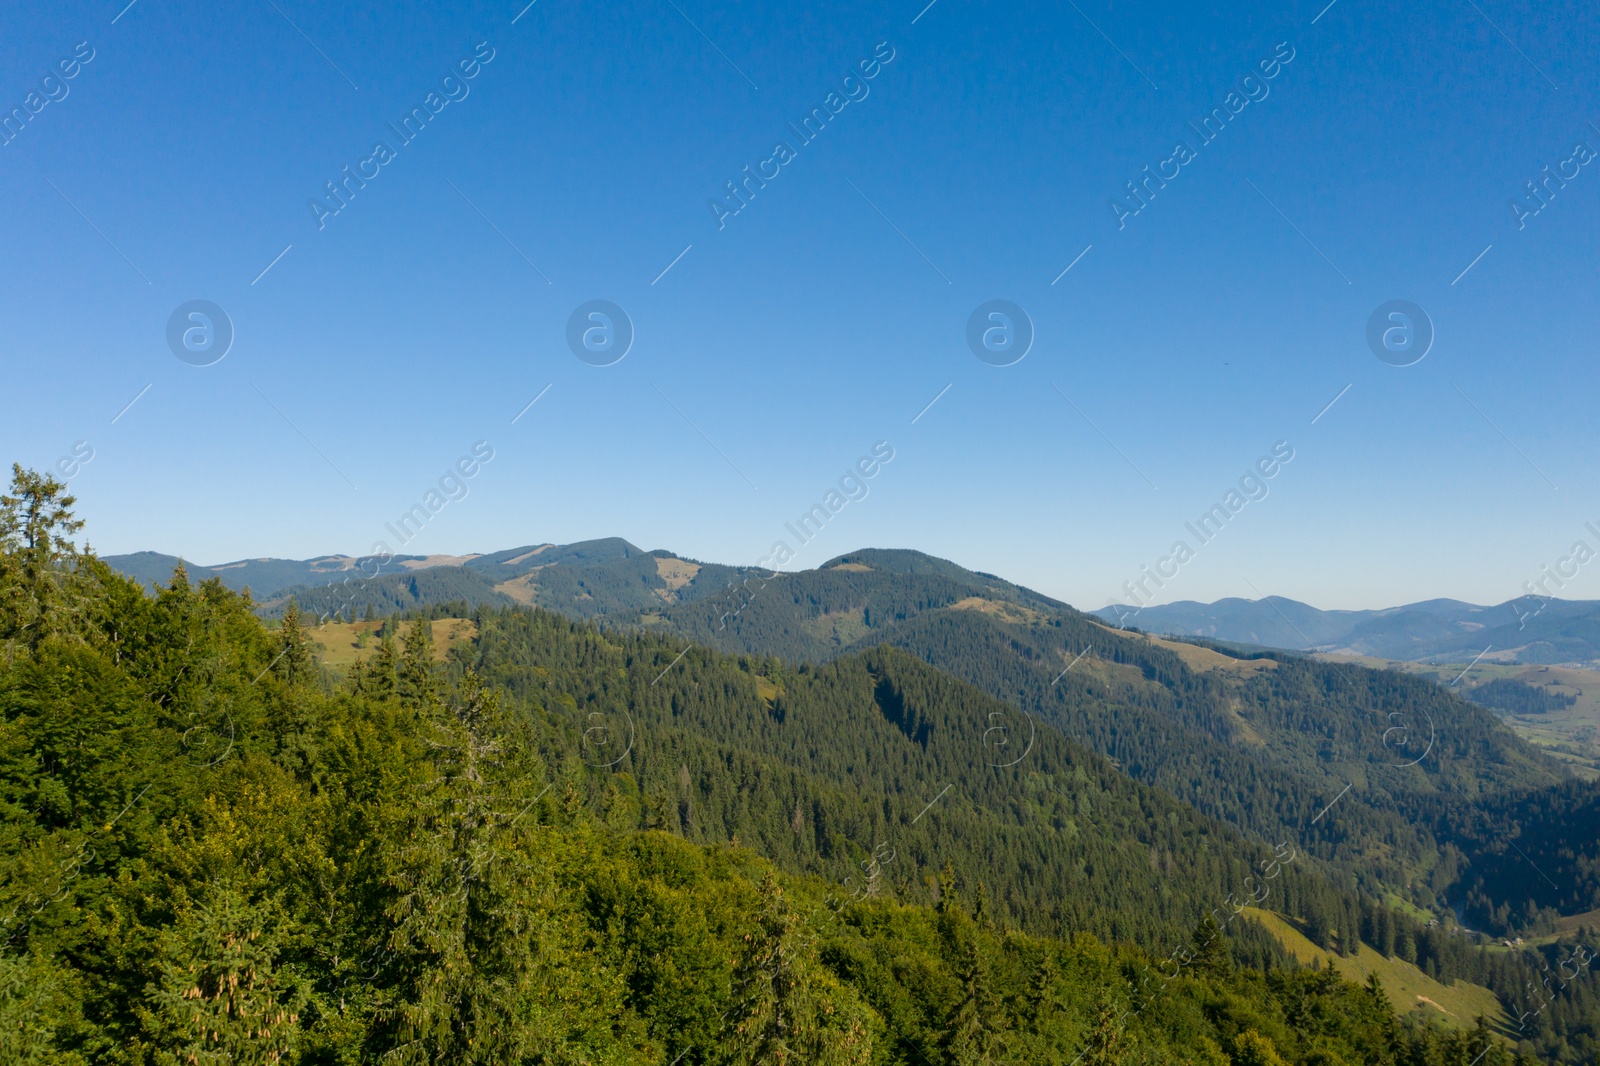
[563,844]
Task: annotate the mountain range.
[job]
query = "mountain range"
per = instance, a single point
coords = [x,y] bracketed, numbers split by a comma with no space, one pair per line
[1261,740]
[611,577]
[1528,629]
[825,714]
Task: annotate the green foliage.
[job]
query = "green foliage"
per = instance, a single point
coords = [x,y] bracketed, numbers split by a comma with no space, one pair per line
[37,586]
[787,1009]
[219,995]
[417,686]
[1518,697]
[206,856]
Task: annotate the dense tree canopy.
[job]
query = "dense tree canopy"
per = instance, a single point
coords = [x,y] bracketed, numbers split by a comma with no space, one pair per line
[216,850]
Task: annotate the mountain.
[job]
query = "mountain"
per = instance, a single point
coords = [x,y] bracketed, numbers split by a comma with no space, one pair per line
[1529,629]
[1261,741]
[890,723]
[267,577]
[218,852]
[596,577]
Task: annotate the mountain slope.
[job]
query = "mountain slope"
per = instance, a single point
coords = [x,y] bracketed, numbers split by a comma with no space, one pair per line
[1262,743]
[824,767]
[215,857]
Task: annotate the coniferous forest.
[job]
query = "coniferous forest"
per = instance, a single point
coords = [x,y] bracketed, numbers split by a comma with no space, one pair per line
[563,844]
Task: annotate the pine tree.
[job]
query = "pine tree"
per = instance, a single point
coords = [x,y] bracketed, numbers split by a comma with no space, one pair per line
[971,1035]
[789,1011]
[417,685]
[1213,953]
[36,526]
[293,663]
[382,671]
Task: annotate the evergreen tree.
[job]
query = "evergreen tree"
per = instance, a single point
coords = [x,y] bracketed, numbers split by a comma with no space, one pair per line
[1212,951]
[382,675]
[1318,930]
[224,995]
[661,810]
[36,526]
[483,967]
[971,1035]
[949,899]
[417,685]
[788,1011]
[1043,1001]
[980,908]
[1105,1045]
[293,663]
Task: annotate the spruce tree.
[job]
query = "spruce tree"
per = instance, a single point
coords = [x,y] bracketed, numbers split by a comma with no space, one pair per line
[1106,1044]
[383,670]
[1043,1000]
[481,967]
[788,1010]
[36,527]
[293,663]
[949,900]
[1213,953]
[971,1035]
[224,994]
[980,908]
[417,685]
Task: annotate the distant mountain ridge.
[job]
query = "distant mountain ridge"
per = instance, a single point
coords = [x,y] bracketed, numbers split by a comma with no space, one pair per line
[1261,740]
[608,576]
[613,577]
[1527,629]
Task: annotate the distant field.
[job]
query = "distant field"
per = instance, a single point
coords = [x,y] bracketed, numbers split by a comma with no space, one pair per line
[341,644]
[1408,987]
[1204,659]
[1571,734]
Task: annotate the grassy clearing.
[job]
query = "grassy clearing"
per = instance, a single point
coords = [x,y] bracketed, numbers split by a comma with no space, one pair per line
[1205,659]
[343,644]
[676,573]
[1001,609]
[1408,987]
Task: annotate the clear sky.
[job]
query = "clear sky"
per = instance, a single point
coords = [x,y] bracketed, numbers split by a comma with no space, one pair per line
[579,161]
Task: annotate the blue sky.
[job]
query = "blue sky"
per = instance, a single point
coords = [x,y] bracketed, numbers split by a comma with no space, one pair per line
[580,161]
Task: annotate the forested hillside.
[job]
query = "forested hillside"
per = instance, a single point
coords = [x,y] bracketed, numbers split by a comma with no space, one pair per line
[552,788]
[1262,743]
